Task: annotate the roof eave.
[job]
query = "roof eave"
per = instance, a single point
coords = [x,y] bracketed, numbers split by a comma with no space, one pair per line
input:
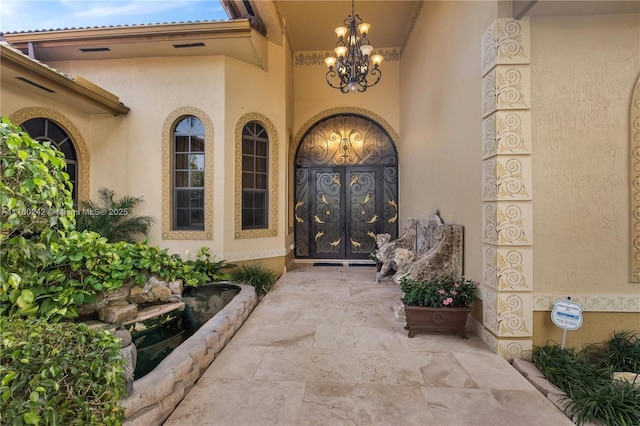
[95,95]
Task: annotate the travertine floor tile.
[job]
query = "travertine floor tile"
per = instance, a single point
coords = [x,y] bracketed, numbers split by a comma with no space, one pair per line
[479,407]
[236,362]
[348,404]
[323,348]
[277,335]
[310,366]
[240,402]
[491,371]
[413,368]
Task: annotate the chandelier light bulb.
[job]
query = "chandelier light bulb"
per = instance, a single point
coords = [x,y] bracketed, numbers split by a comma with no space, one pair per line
[341,31]
[341,51]
[364,28]
[353,86]
[330,61]
[366,49]
[377,59]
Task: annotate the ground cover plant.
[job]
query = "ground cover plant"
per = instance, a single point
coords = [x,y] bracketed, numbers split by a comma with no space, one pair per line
[257,275]
[59,374]
[586,377]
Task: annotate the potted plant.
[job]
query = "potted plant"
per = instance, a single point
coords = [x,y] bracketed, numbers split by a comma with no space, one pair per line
[374,256]
[438,304]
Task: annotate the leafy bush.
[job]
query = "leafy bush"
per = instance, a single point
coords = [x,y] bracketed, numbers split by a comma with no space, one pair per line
[59,374]
[113,219]
[439,292]
[82,264]
[36,208]
[204,264]
[257,275]
[585,377]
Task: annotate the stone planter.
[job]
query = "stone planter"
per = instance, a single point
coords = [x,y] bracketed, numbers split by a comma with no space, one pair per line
[436,319]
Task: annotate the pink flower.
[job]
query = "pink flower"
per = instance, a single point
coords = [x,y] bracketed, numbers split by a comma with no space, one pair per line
[441,291]
[456,285]
[454,292]
[447,301]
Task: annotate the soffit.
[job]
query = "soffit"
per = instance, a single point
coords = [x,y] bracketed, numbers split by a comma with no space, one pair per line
[310,24]
[568,8]
[230,38]
[30,76]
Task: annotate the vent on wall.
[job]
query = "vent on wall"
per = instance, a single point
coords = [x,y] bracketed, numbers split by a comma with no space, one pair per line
[95,49]
[46,89]
[182,46]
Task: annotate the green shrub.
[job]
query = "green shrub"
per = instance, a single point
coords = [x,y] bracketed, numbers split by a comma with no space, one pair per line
[36,209]
[113,219]
[257,275]
[59,374]
[204,264]
[585,376]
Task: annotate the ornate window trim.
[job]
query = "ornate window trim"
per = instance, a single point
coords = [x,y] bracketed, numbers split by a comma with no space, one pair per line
[634,184]
[272,229]
[167,166]
[82,152]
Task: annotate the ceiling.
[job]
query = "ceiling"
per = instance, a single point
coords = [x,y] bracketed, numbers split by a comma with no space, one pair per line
[311,23]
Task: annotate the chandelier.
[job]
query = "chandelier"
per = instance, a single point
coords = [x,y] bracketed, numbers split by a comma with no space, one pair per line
[351,69]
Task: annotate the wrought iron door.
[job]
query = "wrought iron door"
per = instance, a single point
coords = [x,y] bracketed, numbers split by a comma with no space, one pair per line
[345,207]
[346,189]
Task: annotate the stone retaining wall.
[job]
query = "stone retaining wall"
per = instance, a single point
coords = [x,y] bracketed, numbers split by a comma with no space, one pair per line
[158,393]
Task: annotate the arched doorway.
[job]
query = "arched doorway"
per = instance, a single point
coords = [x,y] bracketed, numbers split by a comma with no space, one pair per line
[346,188]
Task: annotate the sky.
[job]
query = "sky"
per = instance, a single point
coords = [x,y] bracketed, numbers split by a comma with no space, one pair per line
[29,15]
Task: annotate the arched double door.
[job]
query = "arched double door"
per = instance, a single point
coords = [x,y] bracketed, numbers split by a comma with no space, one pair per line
[346,188]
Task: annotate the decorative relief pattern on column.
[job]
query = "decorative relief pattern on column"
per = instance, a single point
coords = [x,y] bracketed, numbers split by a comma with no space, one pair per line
[506,41]
[506,132]
[509,349]
[591,303]
[515,318]
[507,178]
[507,212]
[634,179]
[513,87]
[490,311]
[489,93]
[508,269]
[508,224]
[508,314]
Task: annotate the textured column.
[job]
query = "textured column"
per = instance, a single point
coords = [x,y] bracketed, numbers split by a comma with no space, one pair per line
[507,193]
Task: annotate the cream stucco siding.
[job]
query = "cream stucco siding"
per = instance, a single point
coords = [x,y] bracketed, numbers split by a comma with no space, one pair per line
[440,120]
[583,70]
[129,156]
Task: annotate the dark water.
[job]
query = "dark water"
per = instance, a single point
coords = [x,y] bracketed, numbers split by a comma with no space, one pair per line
[201,304]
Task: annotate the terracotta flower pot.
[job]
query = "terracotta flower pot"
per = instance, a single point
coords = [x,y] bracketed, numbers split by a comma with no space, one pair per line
[420,318]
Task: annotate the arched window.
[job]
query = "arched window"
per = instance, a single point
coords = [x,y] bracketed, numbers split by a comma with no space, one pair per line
[255,176]
[43,129]
[188,174]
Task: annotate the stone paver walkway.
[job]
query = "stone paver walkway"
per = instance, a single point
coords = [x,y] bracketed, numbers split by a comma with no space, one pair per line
[323,348]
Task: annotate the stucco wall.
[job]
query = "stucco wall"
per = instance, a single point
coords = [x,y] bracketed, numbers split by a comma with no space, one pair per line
[249,89]
[583,70]
[129,157]
[440,120]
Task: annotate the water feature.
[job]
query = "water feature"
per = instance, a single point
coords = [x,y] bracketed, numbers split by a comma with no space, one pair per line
[160,334]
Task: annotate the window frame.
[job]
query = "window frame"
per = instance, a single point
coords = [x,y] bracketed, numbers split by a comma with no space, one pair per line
[169,232]
[271,198]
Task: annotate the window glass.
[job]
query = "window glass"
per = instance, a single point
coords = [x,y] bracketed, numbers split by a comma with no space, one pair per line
[255,148]
[43,129]
[188,174]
